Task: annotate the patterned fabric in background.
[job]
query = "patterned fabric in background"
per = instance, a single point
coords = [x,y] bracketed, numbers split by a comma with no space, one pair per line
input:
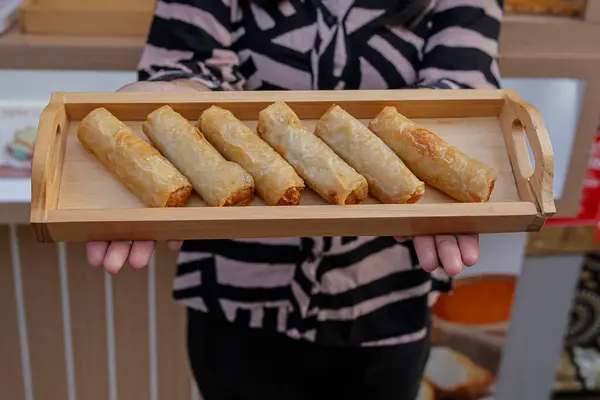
[579,367]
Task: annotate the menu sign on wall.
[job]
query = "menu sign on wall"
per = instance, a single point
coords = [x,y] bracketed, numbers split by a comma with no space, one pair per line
[468,337]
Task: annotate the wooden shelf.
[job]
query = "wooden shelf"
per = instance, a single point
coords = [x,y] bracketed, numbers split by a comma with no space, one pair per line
[542,36]
[523,39]
[19,51]
[562,240]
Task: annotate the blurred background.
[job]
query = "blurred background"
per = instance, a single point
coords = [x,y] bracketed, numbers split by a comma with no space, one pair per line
[68,331]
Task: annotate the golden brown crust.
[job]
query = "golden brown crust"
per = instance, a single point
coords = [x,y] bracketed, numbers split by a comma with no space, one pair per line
[332,198]
[240,198]
[488,194]
[389,180]
[291,197]
[136,163]
[415,198]
[318,165]
[433,160]
[329,110]
[272,174]
[179,197]
[357,196]
[211,175]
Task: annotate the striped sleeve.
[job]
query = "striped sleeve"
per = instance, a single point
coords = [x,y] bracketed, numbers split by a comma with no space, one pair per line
[461,50]
[192,39]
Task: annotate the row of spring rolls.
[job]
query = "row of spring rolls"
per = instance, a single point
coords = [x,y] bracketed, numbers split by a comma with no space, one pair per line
[226,162]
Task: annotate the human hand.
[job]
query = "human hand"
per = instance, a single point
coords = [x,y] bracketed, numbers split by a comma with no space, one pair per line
[113,255]
[452,251]
[180,85]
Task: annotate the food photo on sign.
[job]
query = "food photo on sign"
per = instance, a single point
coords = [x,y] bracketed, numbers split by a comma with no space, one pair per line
[468,337]
[18,129]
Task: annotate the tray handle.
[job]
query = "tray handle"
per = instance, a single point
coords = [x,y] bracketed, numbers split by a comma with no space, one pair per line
[46,164]
[524,116]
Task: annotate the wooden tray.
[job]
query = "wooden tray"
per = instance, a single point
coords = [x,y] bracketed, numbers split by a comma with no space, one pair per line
[74,198]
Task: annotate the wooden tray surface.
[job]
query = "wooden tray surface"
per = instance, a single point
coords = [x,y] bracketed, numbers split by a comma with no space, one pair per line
[75,198]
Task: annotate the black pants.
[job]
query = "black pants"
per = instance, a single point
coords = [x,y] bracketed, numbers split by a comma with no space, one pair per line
[232,362]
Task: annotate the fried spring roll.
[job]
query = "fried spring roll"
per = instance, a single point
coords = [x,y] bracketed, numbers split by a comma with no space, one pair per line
[276,181]
[389,179]
[219,182]
[135,162]
[433,160]
[323,170]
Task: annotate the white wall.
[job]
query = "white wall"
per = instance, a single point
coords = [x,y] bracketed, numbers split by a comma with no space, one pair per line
[39,85]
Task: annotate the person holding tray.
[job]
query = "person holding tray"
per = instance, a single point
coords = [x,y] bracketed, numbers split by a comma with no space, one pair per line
[324,317]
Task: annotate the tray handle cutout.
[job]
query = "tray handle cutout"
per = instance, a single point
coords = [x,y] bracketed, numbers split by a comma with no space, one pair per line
[47,161]
[52,167]
[527,125]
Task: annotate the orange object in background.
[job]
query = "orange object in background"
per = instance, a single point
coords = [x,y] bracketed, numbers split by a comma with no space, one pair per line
[562,7]
[479,300]
[468,335]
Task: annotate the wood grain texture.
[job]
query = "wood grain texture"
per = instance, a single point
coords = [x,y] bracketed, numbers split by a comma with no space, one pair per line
[88,321]
[42,297]
[174,373]
[262,222]
[11,380]
[130,303]
[417,103]
[539,179]
[519,156]
[557,67]
[46,162]
[466,119]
